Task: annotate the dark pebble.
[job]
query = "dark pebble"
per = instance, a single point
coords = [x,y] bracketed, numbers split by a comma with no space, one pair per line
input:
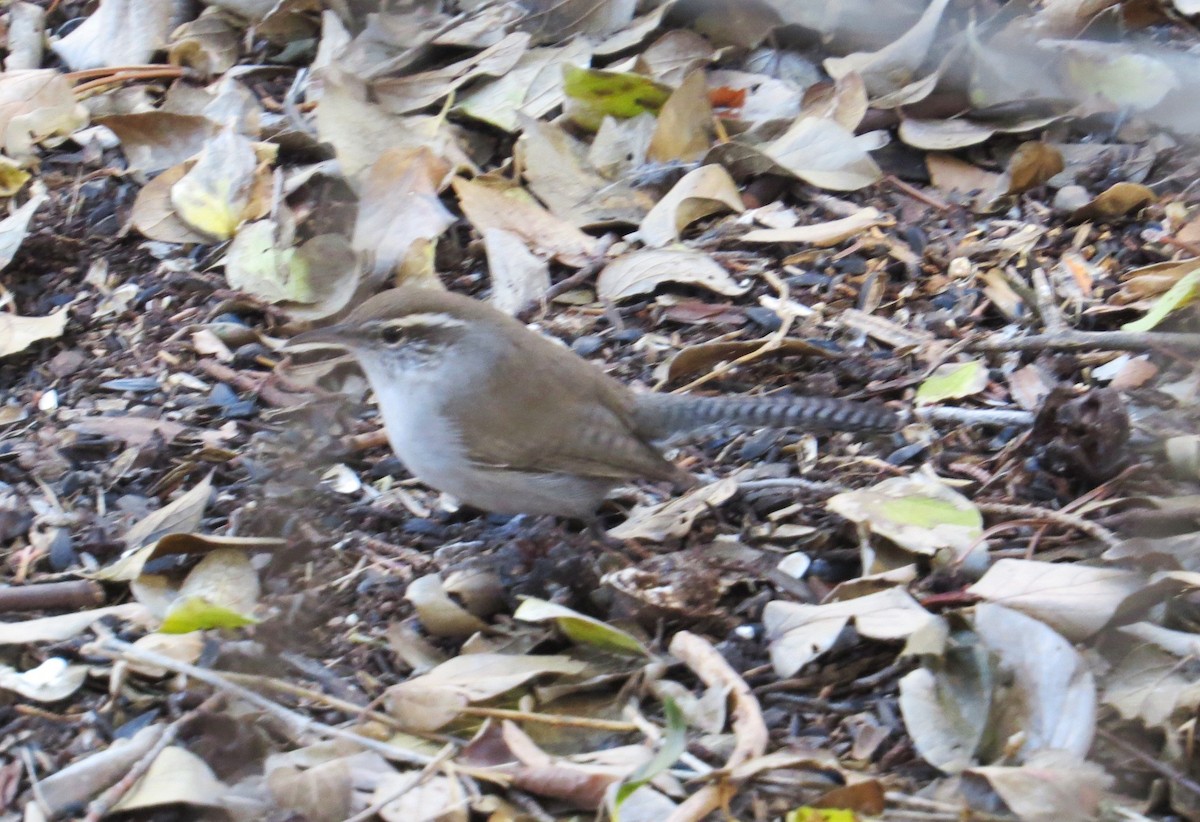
[423,527]
[246,354]
[230,318]
[852,264]
[222,395]
[628,335]
[138,385]
[240,410]
[906,453]
[587,345]
[808,279]
[759,445]
[62,553]
[764,318]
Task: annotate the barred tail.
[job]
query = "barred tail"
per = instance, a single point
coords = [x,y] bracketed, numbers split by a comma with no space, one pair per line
[661,415]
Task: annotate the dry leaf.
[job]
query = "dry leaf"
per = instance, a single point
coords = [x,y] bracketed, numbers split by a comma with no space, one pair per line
[674,518]
[18,333]
[640,272]
[214,196]
[34,106]
[118,33]
[699,193]
[822,234]
[519,277]
[515,211]
[685,123]
[399,206]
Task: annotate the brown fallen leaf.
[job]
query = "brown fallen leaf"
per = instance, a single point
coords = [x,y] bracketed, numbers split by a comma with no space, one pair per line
[18,333]
[515,211]
[1032,164]
[1116,201]
[685,123]
[643,271]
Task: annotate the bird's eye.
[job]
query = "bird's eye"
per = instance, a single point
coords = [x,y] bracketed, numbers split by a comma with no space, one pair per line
[391,335]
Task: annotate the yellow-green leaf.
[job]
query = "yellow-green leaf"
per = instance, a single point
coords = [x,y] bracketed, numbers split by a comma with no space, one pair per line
[1183,292]
[952,381]
[579,628]
[199,613]
[593,94]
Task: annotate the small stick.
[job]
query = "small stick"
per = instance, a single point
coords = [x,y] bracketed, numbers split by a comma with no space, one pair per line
[1099,340]
[1032,512]
[51,596]
[296,722]
[1162,768]
[575,280]
[917,194]
[553,719]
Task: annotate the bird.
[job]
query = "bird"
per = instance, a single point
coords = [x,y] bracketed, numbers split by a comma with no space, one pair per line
[479,406]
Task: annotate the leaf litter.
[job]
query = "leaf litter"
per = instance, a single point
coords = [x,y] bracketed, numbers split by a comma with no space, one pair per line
[994,610]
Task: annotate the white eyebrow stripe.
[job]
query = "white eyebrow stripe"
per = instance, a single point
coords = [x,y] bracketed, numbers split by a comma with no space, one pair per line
[437,320]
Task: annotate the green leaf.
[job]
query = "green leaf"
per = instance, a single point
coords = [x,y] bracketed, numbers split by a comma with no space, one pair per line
[579,628]
[1179,295]
[928,512]
[593,94]
[952,381]
[674,742]
[198,613]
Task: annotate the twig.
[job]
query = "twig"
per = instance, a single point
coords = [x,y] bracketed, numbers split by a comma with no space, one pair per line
[101,805]
[375,807]
[298,723]
[1031,512]
[770,344]
[1162,768]
[51,596]
[1099,340]
[749,728]
[975,416]
[577,279]
[917,194]
[553,719]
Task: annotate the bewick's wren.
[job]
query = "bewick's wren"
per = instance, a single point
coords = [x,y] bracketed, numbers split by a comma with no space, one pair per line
[477,405]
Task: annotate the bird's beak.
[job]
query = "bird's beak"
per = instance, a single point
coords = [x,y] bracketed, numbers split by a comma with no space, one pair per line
[336,336]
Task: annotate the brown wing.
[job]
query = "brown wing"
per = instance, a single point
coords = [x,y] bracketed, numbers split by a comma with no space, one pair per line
[582,422]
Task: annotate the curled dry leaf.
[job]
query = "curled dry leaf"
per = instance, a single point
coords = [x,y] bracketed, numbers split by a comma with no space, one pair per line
[894,65]
[948,135]
[15,226]
[958,715]
[400,95]
[643,271]
[176,777]
[1116,201]
[155,217]
[557,169]
[1052,786]
[439,614]
[822,234]
[674,518]
[208,45]
[220,592]
[436,799]
[800,633]
[65,626]
[1032,164]
[118,33]
[699,193]
[51,681]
